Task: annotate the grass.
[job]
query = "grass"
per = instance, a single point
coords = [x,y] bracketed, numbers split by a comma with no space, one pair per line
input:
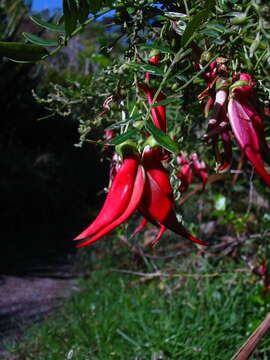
[119,316]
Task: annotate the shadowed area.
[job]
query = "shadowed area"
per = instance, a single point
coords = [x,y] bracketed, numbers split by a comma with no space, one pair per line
[33,297]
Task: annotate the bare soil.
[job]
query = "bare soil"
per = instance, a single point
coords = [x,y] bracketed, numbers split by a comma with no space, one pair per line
[30,292]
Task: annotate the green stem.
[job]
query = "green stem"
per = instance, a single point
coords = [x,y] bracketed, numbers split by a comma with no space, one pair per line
[165,77]
[81,27]
[249,41]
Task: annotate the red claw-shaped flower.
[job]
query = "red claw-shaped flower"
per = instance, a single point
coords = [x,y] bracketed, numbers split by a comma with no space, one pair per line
[157,204]
[122,200]
[185,173]
[143,185]
[247,125]
[187,168]
[158,113]
[199,168]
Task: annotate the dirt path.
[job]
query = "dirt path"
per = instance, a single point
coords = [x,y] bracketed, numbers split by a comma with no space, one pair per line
[31,295]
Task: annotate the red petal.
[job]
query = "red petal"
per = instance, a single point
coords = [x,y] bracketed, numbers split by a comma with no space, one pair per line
[117,199]
[227,161]
[158,113]
[140,227]
[247,137]
[158,237]
[154,167]
[185,175]
[160,208]
[132,206]
[258,125]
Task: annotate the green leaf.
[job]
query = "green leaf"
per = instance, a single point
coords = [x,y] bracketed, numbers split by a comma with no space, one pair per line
[164,140]
[220,202]
[162,49]
[96,5]
[47,25]
[166,101]
[179,27]
[123,137]
[83,11]
[153,70]
[196,21]
[211,33]
[135,117]
[182,78]
[22,52]
[39,41]
[217,27]
[70,15]
[45,117]
[175,15]
[132,119]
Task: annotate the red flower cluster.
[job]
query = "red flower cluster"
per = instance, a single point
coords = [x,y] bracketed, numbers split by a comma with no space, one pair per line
[188,166]
[141,183]
[234,112]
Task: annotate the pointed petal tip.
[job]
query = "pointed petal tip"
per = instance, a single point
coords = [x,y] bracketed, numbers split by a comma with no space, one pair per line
[77,238]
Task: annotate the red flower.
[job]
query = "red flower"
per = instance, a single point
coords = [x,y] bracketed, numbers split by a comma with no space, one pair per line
[247,125]
[144,186]
[185,173]
[122,200]
[199,168]
[157,203]
[158,113]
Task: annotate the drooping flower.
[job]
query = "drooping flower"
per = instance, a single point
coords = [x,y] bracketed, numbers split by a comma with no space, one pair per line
[199,168]
[122,200]
[185,173]
[140,184]
[218,126]
[158,113]
[234,112]
[188,167]
[157,204]
[247,125]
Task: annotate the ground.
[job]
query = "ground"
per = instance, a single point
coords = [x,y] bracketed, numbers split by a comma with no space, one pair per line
[31,291]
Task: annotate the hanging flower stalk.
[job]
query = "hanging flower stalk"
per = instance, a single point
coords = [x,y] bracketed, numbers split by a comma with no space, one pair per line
[141,183]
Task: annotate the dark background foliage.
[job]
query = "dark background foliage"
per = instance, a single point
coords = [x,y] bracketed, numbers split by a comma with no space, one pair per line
[47,184]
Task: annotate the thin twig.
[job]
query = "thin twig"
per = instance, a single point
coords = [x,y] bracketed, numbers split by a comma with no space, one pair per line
[239,168]
[246,350]
[137,273]
[161,274]
[210,180]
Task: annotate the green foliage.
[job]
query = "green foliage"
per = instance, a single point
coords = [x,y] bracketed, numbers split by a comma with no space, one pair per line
[161,138]
[12,13]
[46,25]
[198,314]
[22,52]
[38,40]
[196,21]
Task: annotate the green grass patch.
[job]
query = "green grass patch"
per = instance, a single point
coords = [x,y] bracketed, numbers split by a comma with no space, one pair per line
[196,315]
